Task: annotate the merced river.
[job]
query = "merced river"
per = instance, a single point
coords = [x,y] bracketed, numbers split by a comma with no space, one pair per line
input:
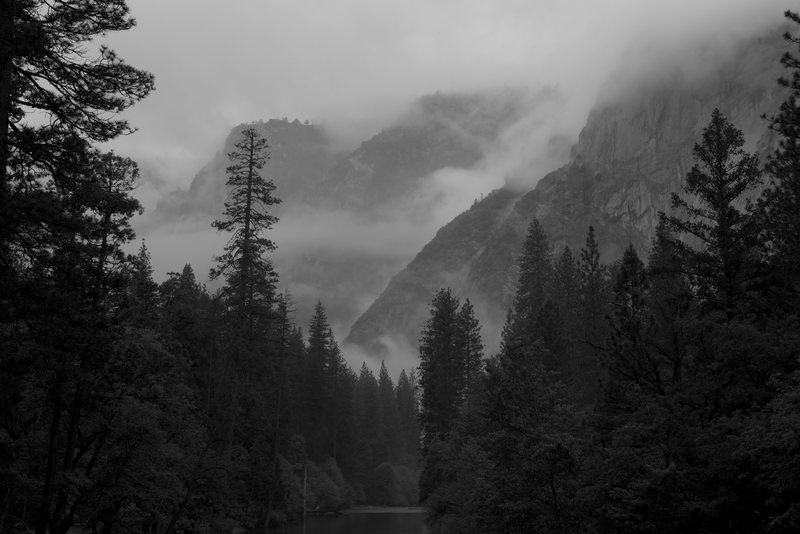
[364,521]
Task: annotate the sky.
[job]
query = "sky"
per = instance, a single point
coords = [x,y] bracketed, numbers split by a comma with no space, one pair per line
[354,66]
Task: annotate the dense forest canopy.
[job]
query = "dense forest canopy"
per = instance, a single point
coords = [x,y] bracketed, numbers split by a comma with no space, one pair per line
[128,405]
[655,394]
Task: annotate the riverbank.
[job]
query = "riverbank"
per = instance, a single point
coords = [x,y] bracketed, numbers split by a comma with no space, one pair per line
[384,510]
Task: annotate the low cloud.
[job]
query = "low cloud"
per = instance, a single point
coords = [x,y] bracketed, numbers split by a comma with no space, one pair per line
[355,65]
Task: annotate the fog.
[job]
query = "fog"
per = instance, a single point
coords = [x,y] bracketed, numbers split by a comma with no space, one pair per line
[355,67]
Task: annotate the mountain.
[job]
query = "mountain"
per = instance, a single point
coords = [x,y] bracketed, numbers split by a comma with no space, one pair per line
[334,201]
[633,153]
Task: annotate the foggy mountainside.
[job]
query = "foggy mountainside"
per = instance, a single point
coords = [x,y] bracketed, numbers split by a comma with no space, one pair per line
[633,153]
[527,268]
[389,182]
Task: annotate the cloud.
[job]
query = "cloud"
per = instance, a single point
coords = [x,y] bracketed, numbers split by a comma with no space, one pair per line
[356,64]
[400,356]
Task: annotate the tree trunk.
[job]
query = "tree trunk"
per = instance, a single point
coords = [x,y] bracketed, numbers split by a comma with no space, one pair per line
[50,469]
[9,9]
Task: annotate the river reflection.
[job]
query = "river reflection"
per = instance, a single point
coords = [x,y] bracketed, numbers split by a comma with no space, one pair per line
[372,522]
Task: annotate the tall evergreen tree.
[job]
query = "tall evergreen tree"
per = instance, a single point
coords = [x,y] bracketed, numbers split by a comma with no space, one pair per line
[594,299]
[250,275]
[533,288]
[368,417]
[726,265]
[319,366]
[781,200]
[469,344]
[143,292]
[248,296]
[407,415]
[45,72]
[670,302]
[390,417]
[440,368]
[551,330]
[566,289]
[629,362]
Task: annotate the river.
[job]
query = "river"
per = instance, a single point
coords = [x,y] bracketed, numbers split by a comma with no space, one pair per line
[365,521]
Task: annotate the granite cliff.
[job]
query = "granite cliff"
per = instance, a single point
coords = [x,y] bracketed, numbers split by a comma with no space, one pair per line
[326,190]
[633,153]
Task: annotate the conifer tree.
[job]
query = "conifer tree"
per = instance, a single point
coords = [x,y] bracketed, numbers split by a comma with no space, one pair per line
[250,275]
[566,289]
[390,418]
[670,302]
[407,415]
[368,417]
[470,346]
[781,200]
[593,308]
[46,72]
[80,268]
[143,292]
[319,367]
[534,285]
[550,328]
[726,265]
[630,365]
[440,367]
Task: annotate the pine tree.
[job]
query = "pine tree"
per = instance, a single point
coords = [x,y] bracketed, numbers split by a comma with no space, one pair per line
[781,200]
[143,292]
[440,368]
[726,265]
[566,289]
[390,417]
[45,71]
[189,330]
[317,392]
[593,308]
[250,275]
[80,268]
[630,365]
[470,346]
[407,414]
[670,302]
[550,327]
[534,285]
[368,417]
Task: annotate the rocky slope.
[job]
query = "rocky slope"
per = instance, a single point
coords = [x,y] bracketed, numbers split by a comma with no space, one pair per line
[325,191]
[634,151]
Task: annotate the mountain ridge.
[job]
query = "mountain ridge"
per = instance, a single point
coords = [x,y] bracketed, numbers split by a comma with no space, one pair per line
[633,153]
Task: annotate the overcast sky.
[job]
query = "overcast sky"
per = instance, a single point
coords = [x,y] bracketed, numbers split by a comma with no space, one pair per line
[355,64]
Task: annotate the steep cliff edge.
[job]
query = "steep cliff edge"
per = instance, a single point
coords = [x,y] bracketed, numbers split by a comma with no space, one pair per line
[633,153]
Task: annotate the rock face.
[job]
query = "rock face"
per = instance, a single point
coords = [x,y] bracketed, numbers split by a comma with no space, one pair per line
[322,187]
[633,153]
[438,131]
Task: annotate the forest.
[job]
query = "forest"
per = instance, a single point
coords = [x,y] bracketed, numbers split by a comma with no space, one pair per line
[658,393]
[132,406]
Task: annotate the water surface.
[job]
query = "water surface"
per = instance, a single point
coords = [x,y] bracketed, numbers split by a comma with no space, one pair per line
[369,521]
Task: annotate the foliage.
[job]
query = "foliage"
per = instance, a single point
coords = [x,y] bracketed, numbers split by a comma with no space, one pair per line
[249,273]
[644,398]
[781,200]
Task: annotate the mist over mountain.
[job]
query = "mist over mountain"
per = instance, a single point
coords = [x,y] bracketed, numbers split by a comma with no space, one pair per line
[350,219]
[632,154]
[374,230]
